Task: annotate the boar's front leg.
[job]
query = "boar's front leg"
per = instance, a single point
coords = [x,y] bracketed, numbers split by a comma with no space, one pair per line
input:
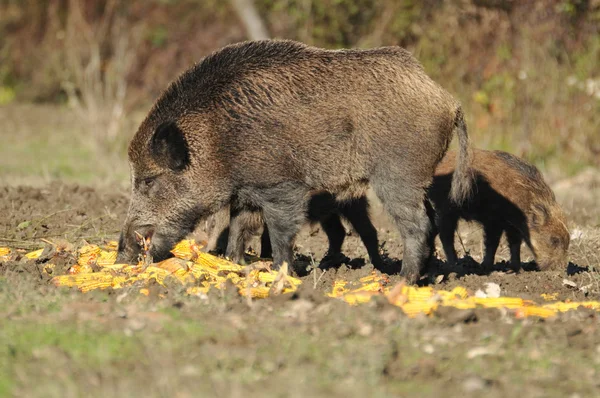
[284,211]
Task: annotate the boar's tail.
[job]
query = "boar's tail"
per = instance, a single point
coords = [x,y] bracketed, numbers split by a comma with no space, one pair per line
[462,179]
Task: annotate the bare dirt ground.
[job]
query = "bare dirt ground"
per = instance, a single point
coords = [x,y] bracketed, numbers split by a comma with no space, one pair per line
[59,342]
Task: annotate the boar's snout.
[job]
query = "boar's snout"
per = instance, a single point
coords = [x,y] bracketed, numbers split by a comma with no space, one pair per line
[133,241]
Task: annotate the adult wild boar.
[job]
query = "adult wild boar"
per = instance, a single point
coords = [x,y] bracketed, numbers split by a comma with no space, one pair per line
[232,238]
[510,196]
[268,124]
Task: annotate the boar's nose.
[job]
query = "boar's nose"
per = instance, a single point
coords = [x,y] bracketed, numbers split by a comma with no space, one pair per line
[133,239]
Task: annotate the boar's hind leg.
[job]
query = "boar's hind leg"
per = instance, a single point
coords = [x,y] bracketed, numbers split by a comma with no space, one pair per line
[491,240]
[405,204]
[514,243]
[357,212]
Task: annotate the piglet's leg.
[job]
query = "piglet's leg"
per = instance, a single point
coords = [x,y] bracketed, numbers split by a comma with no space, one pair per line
[357,212]
[336,234]
[265,244]
[514,243]
[491,240]
[236,243]
[447,227]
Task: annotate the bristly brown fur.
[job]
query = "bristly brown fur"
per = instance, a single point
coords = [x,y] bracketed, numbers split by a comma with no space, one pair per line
[267,124]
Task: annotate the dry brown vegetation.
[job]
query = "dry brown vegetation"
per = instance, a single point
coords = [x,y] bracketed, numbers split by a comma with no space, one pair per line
[526,72]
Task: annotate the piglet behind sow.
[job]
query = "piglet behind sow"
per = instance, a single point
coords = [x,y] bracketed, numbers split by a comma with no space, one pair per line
[509,195]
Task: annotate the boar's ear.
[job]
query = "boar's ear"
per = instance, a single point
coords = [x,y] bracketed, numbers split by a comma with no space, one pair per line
[539,215]
[169,148]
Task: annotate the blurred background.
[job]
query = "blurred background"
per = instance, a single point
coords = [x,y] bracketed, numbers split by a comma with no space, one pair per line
[77,76]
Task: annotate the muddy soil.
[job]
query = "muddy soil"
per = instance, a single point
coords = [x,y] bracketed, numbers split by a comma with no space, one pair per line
[76,214]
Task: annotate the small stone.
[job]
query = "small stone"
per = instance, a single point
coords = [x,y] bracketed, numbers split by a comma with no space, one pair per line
[474,383]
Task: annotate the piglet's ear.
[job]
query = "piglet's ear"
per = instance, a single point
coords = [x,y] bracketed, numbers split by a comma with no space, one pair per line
[539,215]
[169,148]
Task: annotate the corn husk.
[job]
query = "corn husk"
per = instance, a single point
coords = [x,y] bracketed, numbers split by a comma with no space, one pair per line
[34,254]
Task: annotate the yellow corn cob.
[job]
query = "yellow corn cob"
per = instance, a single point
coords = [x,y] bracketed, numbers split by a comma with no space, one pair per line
[507,302]
[88,254]
[235,278]
[111,245]
[80,269]
[358,297]
[119,281]
[154,273]
[183,249]
[339,289]
[172,265]
[413,309]
[592,305]
[418,294]
[465,304]
[373,277]
[93,285]
[289,290]
[4,251]
[370,287]
[534,311]
[106,258]
[220,264]
[459,291]
[200,271]
[77,280]
[34,254]
[255,292]
[122,268]
[563,307]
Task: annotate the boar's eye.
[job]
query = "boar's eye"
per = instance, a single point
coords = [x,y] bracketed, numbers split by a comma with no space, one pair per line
[149,182]
[554,241]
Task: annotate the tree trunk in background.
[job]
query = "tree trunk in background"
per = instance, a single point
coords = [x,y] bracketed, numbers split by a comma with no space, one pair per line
[247,13]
